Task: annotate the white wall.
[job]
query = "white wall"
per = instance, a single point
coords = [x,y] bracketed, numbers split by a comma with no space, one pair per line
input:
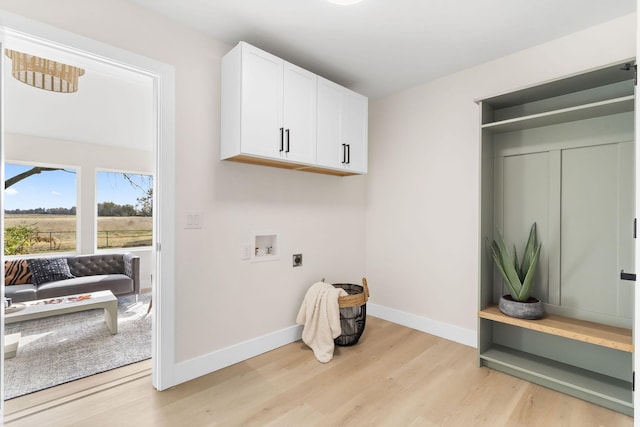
[220,299]
[423,186]
[87,159]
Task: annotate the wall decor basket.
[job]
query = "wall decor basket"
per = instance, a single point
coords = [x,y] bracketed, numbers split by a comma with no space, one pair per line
[353,312]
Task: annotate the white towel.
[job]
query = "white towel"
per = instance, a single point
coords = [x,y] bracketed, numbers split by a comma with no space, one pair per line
[320,315]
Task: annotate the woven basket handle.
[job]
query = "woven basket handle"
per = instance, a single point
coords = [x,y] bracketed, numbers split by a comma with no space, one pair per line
[366,288]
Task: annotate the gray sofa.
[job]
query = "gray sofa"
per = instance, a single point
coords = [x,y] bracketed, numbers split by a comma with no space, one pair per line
[119,273]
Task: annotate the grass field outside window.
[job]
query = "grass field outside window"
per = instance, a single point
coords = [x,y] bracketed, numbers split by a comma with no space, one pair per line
[57,233]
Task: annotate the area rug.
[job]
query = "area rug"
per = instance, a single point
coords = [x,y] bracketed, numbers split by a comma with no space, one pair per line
[59,349]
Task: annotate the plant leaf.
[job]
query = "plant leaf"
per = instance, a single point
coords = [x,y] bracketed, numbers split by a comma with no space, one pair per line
[515,263]
[529,251]
[506,267]
[495,252]
[528,280]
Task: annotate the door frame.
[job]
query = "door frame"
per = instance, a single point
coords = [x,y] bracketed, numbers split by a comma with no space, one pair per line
[14,27]
[636,293]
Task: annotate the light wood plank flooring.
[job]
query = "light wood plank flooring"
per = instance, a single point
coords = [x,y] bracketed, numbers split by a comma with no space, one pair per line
[395,376]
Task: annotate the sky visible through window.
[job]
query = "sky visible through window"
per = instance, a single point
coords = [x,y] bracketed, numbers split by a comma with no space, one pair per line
[57,189]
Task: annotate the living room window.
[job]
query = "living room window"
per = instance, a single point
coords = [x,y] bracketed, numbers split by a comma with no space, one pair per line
[125,210]
[40,209]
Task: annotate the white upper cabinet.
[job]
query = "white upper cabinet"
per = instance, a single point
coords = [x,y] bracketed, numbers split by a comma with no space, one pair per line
[274,113]
[342,128]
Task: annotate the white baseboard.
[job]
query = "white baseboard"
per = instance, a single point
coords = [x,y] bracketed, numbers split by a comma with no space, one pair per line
[205,364]
[444,330]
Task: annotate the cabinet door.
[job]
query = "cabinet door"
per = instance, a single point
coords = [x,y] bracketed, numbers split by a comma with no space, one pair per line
[355,113]
[329,147]
[261,104]
[299,115]
[597,229]
[342,127]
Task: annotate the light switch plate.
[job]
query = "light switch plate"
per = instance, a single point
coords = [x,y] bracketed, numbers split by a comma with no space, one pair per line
[193,219]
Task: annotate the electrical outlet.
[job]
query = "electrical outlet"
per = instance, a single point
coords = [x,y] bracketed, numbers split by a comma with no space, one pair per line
[297,260]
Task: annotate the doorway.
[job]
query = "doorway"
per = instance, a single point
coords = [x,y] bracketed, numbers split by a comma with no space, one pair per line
[23,34]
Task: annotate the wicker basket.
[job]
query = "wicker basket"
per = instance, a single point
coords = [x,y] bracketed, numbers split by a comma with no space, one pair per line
[353,312]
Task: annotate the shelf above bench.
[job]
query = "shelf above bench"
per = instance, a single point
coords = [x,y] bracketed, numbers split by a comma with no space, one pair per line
[580,330]
[623,104]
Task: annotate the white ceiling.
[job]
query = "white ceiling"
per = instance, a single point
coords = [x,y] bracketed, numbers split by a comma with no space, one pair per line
[113,105]
[105,110]
[379,47]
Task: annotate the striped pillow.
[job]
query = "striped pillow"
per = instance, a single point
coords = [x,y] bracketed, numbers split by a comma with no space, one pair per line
[16,272]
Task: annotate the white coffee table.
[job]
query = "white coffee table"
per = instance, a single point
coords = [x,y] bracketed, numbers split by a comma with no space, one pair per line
[11,345]
[69,304]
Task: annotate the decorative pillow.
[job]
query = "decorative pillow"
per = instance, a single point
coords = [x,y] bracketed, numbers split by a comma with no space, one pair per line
[16,272]
[49,269]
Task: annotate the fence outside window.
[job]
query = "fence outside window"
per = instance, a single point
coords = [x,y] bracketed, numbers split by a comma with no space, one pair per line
[65,241]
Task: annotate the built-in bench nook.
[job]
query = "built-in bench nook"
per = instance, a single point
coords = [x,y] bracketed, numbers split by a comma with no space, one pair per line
[561,154]
[566,327]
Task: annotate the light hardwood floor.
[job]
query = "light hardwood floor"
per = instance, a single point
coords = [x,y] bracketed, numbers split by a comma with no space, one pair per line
[395,376]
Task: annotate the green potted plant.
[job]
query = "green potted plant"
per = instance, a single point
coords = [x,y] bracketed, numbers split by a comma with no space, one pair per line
[518,277]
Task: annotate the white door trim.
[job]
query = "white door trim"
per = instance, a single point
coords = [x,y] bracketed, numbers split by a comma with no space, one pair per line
[636,293]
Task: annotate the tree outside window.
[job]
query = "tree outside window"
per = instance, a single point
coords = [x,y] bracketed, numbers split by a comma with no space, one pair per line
[40,209]
[125,210]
